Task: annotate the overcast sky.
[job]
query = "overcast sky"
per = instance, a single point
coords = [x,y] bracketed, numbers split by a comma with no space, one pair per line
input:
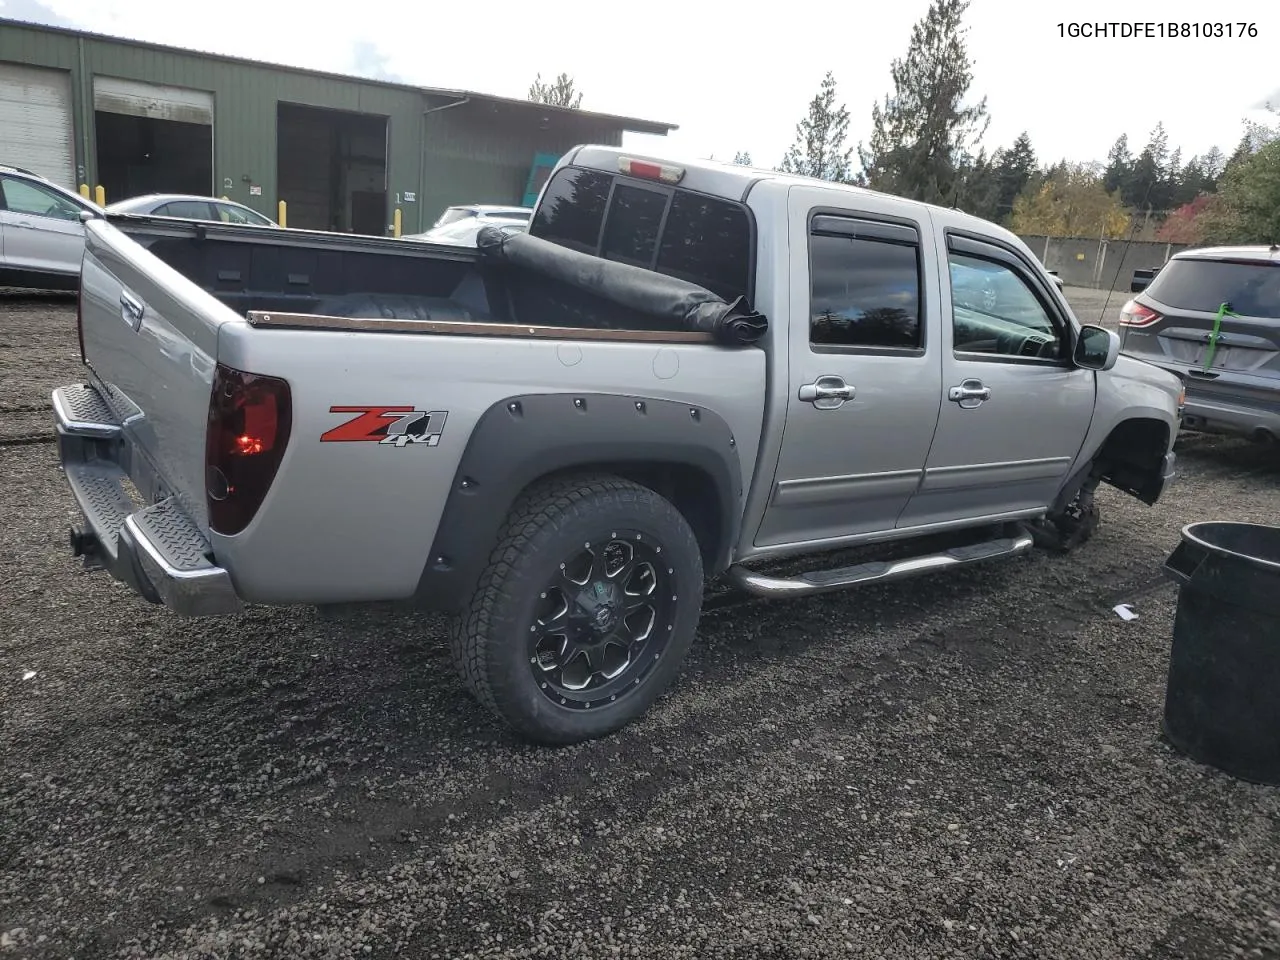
[735,81]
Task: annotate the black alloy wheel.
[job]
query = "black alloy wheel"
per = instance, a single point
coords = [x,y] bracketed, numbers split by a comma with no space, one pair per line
[603,621]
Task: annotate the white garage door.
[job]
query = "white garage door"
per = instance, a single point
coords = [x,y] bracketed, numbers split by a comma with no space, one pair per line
[35,121]
[137,99]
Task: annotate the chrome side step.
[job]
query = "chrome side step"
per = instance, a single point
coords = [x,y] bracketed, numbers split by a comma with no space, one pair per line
[874,571]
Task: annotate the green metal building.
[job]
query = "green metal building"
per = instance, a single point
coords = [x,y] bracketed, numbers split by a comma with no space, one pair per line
[344,153]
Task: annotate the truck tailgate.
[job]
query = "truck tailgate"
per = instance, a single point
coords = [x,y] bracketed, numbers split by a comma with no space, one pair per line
[131,441]
[150,338]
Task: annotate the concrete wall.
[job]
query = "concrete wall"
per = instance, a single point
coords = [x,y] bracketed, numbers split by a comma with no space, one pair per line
[1102,265]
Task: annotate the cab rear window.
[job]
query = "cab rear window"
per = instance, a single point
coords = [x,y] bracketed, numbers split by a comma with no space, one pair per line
[690,236]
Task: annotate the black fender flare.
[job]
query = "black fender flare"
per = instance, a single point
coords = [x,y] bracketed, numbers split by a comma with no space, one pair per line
[522,439]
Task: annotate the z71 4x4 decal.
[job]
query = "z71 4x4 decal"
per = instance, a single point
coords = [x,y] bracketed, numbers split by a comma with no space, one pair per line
[397,426]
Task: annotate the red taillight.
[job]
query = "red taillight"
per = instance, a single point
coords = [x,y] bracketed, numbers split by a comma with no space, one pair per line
[249,421]
[1134,314]
[651,171]
[80,321]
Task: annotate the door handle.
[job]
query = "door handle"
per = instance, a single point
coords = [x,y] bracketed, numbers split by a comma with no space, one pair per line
[26,224]
[131,310]
[970,394]
[827,393]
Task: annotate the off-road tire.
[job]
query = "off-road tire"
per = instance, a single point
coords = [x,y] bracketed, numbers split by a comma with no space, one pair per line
[490,638]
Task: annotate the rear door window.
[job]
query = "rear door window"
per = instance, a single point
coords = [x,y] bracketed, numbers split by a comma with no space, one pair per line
[697,238]
[1252,289]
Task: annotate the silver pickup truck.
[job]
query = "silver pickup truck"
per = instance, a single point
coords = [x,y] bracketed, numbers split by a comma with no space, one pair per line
[679,374]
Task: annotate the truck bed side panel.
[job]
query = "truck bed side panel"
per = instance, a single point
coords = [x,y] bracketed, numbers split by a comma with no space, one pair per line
[347,520]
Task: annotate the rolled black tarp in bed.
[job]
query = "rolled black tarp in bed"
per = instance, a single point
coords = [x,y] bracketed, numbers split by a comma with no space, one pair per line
[686,306]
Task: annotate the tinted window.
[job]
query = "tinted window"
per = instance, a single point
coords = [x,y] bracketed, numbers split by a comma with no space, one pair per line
[708,242]
[1253,290]
[572,210]
[864,292]
[23,197]
[994,311]
[705,240]
[185,209]
[631,232]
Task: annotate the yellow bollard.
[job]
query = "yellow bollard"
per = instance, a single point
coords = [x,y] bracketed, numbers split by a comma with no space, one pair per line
[396,224]
[84,190]
[281,217]
[100,195]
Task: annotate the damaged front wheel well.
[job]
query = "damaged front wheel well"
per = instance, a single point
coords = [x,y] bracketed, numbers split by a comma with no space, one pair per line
[1132,458]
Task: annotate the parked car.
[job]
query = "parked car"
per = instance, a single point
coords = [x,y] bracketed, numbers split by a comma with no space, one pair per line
[482,212]
[41,237]
[1231,364]
[191,207]
[678,373]
[463,232]
[459,225]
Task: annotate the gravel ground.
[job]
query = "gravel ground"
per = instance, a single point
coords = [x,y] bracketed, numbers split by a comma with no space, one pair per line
[969,765]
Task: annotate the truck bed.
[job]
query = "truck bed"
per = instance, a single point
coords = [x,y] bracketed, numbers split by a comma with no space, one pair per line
[353,324]
[283,274]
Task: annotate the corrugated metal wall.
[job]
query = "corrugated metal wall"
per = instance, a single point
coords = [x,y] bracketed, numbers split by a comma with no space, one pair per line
[475,153]
[481,152]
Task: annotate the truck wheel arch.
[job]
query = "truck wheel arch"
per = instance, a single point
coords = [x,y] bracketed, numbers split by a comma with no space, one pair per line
[684,451]
[1130,458]
[1133,454]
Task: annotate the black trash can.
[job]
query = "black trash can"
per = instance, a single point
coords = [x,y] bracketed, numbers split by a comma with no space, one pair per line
[1222,703]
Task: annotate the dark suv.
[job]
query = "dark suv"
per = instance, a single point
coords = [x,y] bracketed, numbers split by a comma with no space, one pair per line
[1228,358]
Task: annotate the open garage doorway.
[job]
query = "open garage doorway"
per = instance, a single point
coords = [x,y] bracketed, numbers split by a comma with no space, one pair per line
[152,139]
[332,169]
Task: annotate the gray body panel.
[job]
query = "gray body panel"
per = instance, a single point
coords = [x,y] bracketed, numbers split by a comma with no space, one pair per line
[348,522]
[365,530]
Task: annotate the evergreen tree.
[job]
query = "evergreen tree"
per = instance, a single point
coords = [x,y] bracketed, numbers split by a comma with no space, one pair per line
[742,158]
[1192,182]
[1171,179]
[1212,164]
[923,136]
[1249,195]
[559,93]
[1147,185]
[978,189]
[1119,166]
[1013,169]
[819,150]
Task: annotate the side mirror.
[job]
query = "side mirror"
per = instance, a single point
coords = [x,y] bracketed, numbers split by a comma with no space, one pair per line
[1097,348]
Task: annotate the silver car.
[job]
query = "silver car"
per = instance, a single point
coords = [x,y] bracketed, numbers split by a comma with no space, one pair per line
[191,207]
[1229,358]
[41,236]
[460,225]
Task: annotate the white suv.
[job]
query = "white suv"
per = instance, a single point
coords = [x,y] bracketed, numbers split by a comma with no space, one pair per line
[41,236]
